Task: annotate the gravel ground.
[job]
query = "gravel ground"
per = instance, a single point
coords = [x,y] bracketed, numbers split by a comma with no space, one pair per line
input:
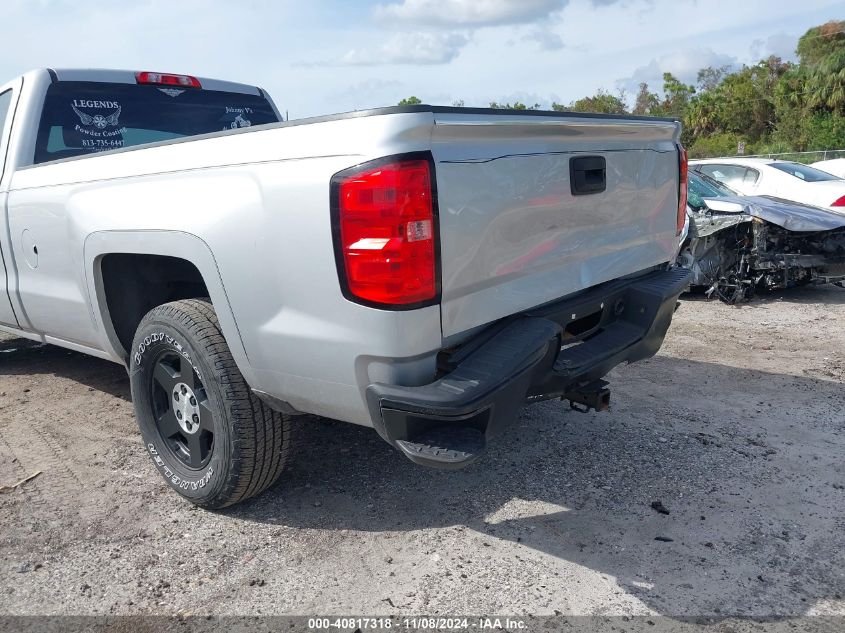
[736,428]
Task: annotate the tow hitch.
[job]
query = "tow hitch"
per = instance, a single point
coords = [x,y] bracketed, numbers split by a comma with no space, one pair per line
[591,395]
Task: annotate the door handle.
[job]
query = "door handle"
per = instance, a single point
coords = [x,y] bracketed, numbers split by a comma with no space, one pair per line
[587,174]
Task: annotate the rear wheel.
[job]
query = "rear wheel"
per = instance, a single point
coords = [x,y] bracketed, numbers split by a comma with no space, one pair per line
[209,436]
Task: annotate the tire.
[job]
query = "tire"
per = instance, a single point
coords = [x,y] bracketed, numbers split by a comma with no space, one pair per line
[208,435]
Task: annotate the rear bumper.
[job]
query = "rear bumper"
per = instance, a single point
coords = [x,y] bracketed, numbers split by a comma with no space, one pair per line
[560,350]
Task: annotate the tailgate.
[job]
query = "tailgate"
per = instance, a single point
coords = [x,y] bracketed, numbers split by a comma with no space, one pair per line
[513,235]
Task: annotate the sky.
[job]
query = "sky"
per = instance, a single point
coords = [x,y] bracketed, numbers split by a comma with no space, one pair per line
[320,57]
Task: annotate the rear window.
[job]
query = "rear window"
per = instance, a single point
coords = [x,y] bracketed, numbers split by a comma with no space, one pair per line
[730,175]
[82,117]
[803,172]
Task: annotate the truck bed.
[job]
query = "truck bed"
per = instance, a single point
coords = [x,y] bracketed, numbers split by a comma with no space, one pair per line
[512,236]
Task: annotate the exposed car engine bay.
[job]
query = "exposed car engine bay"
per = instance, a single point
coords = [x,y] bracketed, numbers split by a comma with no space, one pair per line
[738,245]
[748,254]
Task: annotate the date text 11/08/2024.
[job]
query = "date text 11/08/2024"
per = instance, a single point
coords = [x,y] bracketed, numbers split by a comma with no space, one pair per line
[418,623]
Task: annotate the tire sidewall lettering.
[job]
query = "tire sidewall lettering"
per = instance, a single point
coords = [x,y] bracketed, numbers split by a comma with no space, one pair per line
[176,480]
[161,337]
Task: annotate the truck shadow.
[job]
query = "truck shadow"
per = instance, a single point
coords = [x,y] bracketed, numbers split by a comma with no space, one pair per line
[827,294]
[24,357]
[746,462]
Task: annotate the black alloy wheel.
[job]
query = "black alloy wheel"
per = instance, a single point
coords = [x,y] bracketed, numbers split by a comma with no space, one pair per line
[181,410]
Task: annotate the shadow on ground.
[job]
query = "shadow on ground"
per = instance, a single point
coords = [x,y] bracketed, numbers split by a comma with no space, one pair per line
[828,294]
[21,356]
[749,475]
[748,463]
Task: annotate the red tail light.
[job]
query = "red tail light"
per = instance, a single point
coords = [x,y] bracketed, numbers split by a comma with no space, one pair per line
[385,232]
[682,188]
[164,79]
[839,203]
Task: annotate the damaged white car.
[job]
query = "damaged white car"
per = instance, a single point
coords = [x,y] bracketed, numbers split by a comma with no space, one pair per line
[737,245]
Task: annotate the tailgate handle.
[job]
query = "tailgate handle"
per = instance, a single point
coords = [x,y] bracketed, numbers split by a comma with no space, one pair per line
[587,174]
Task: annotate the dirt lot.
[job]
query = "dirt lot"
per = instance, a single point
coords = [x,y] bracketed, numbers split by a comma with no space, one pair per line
[736,427]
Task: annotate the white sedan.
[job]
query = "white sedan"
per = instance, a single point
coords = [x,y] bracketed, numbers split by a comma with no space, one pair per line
[835,166]
[778,179]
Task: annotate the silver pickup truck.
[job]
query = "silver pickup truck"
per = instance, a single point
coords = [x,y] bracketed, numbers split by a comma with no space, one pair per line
[424,271]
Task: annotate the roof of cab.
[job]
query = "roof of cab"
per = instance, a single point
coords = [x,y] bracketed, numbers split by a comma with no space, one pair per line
[128,77]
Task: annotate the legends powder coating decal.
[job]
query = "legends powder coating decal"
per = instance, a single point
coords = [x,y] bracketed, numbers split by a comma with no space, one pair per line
[95,125]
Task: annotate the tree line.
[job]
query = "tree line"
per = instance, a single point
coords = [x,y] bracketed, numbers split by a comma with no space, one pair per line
[769,107]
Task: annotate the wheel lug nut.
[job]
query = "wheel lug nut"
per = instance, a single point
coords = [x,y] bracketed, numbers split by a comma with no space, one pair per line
[196,418]
[193,401]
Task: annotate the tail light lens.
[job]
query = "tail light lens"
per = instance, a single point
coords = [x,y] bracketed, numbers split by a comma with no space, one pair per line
[839,203]
[682,188]
[385,232]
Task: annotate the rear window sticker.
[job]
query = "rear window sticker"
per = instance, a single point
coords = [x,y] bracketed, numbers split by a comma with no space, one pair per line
[99,121]
[240,120]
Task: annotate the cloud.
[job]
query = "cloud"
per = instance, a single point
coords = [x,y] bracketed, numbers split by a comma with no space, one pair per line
[367,87]
[780,44]
[467,13]
[547,39]
[683,64]
[415,48]
[368,93]
[625,3]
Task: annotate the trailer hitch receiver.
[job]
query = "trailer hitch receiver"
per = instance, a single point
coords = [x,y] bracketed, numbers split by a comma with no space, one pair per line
[591,395]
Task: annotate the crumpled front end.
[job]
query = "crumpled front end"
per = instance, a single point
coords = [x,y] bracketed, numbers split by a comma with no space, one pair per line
[733,255]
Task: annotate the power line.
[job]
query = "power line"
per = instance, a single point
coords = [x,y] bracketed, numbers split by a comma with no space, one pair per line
[815,35]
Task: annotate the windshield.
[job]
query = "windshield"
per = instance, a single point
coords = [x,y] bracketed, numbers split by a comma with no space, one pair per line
[804,172]
[700,186]
[81,117]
